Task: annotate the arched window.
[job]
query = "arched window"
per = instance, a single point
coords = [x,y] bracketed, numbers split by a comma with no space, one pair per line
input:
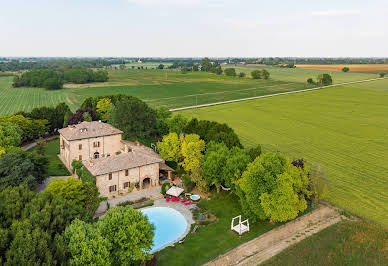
[96,155]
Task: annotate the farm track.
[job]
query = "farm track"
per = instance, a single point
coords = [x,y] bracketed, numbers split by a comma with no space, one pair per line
[273,242]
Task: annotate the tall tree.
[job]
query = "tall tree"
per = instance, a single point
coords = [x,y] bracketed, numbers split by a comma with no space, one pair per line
[134,117]
[170,148]
[103,107]
[130,234]
[192,147]
[86,246]
[230,72]
[85,195]
[214,162]
[256,74]
[177,123]
[324,80]
[272,188]
[10,135]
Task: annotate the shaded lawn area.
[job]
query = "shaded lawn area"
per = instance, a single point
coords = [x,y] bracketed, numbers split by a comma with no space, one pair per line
[345,243]
[212,240]
[55,166]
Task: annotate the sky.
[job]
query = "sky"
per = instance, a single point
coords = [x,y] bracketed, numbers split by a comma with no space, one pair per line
[194,28]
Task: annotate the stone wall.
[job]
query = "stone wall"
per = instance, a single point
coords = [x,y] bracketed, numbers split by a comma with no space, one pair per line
[135,175]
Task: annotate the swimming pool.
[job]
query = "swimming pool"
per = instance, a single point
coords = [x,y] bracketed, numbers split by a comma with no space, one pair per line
[169,224]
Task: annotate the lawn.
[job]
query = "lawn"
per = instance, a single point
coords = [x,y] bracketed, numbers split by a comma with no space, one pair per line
[55,166]
[343,129]
[212,240]
[345,243]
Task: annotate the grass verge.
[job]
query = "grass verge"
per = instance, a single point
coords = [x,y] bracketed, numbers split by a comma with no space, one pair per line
[345,243]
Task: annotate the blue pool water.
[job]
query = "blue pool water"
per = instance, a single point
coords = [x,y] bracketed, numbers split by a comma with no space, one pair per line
[169,225]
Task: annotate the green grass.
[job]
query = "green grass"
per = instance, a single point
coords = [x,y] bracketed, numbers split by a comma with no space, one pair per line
[212,240]
[344,129]
[55,166]
[345,243]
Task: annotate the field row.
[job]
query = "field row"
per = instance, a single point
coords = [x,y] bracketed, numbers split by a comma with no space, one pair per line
[342,129]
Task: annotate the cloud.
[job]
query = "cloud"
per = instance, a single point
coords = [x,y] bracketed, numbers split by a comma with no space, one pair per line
[336,13]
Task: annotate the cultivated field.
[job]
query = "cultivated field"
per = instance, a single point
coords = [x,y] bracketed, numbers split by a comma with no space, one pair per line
[301,75]
[168,88]
[343,129]
[353,68]
[155,87]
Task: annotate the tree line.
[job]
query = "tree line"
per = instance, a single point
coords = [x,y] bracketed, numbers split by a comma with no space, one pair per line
[53,80]
[59,64]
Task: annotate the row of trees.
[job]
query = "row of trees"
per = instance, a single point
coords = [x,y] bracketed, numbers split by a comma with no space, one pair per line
[53,80]
[269,185]
[82,75]
[255,74]
[59,64]
[43,78]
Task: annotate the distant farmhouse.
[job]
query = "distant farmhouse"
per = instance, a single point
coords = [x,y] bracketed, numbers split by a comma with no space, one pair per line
[116,164]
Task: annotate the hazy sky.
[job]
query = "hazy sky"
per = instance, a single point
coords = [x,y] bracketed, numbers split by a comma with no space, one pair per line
[183,28]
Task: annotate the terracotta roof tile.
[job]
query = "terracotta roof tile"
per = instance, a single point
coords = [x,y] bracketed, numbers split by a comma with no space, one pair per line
[119,162]
[86,130]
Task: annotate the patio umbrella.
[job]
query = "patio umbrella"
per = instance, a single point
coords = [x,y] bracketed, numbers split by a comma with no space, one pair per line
[175,191]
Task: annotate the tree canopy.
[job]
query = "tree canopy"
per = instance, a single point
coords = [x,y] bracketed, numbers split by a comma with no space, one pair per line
[43,78]
[84,194]
[324,80]
[121,237]
[30,225]
[134,117]
[21,167]
[213,131]
[230,72]
[272,188]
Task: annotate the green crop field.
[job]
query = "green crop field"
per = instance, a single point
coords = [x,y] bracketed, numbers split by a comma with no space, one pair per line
[168,88]
[344,129]
[301,75]
[156,87]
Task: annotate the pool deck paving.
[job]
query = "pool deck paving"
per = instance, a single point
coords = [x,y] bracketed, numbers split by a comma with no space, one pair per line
[152,193]
[262,248]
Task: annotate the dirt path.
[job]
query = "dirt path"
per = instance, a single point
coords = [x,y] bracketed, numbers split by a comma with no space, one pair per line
[273,242]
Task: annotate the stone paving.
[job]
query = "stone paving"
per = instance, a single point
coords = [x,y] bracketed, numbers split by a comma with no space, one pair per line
[152,193]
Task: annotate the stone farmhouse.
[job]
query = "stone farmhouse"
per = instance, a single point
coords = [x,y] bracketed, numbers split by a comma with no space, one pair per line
[119,166]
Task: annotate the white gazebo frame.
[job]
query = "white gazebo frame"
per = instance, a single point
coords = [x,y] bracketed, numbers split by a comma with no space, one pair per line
[241,227]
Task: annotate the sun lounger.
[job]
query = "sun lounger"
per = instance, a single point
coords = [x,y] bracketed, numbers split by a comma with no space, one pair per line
[173,199]
[195,229]
[184,200]
[187,203]
[167,199]
[177,199]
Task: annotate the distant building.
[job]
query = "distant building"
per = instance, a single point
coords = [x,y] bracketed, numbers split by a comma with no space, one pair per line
[116,164]
[139,61]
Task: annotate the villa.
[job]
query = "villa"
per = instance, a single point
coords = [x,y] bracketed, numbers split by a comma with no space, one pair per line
[116,164]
